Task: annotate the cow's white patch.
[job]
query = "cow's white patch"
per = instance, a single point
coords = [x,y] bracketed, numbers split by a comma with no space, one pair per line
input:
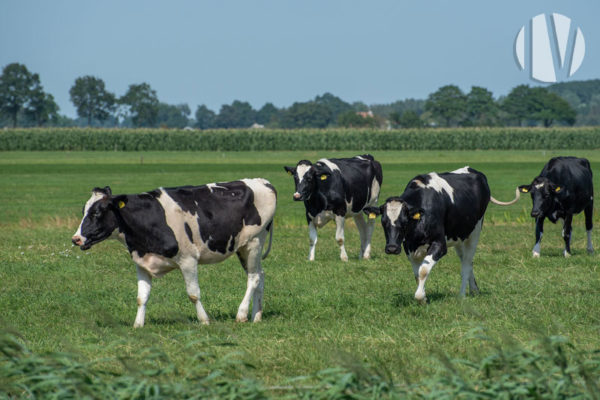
[374,196]
[463,170]
[438,184]
[96,196]
[392,210]
[361,158]
[301,170]
[329,164]
[539,186]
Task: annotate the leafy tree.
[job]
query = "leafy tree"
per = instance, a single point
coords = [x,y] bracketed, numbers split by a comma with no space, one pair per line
[481,109]
[16,87]
[447,104]
[268,114]
[336,105]
[410,119]
[173,116]
[41,108]
[143,104]
[354,119]
[517,104]
[306,115]
[91,99]
[398,107]
[239,114]
[548,107]
[205,118]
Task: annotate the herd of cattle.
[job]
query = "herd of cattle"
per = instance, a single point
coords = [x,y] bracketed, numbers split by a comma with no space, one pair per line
[181,227]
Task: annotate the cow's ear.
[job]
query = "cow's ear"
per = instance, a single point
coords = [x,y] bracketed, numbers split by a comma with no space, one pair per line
[290,170]
[415,213]
[524,188]
[107,190]
[119,201]
[372,212]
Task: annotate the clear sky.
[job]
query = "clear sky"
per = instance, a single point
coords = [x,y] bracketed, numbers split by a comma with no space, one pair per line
[214,52]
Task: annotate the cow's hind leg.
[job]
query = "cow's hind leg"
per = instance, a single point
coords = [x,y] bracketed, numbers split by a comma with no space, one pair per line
[144,287]
[589,212]
[466,253]
[250,256]
[566,233]
[362,232]
[189,270]
[339,236]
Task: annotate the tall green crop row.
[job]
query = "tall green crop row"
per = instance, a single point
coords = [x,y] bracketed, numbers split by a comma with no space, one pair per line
[53,139]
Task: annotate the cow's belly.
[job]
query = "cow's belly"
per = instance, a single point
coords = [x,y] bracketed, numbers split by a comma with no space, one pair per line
[322,218]
[156,265]
[208,256]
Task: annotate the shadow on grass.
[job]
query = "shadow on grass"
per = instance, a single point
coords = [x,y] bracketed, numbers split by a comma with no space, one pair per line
[405,299]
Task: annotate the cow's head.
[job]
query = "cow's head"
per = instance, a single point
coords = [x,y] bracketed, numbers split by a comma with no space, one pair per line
[99,220]
[305,179]
[544,194]
[397,218]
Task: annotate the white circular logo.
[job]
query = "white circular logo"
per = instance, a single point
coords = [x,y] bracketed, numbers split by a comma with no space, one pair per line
[555,48]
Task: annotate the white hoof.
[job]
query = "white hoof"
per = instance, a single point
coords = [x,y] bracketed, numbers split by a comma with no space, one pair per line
[566,254]
[536,254]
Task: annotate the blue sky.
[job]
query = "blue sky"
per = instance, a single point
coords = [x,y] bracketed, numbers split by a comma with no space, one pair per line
[214,52]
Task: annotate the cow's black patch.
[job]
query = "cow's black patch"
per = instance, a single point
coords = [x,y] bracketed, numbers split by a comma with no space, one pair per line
[188,232]
[221,210]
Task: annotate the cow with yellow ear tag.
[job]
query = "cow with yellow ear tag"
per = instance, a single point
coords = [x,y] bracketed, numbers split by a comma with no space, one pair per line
[437,211]
[563,188]
[336,189]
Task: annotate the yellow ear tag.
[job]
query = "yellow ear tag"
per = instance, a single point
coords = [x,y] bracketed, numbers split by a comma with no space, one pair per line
[524,190]
[372,216]
[121,204]
[417,216]
[557,189]
[323,177]
[289,172]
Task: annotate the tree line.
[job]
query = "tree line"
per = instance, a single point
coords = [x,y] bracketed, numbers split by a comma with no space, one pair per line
[23,102]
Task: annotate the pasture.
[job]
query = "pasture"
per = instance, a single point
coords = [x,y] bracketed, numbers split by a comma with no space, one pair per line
[317,315]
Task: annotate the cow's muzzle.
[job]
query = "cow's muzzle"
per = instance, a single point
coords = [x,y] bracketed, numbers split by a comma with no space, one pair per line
[77,240]
[297,196]
[392,249]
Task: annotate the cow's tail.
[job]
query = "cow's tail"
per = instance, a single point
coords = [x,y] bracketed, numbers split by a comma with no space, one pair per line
[507,203]
[270,229]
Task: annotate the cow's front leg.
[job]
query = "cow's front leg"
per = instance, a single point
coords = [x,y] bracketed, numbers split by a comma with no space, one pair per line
[589,212]
[250,255]
[339,235]
[144,286]
[435,252]
[312,240]
[189,270]
[539,232]
[567,229]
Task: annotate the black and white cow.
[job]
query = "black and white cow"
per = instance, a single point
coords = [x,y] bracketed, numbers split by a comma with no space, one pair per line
[562,189]
[437,211]
[338,188]
[181,227]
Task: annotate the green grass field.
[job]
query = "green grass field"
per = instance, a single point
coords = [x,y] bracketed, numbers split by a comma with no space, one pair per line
[317,315]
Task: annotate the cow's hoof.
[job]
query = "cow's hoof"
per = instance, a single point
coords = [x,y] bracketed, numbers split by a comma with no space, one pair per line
[566,254]
[242,318]
[205,322]
[257,317]
[590,251]
[136,325]
[536,254]
[422,301]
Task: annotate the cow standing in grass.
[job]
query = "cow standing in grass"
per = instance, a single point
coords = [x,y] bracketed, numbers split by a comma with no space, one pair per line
[437,211]
[336,189]
[181,227]
[563,188]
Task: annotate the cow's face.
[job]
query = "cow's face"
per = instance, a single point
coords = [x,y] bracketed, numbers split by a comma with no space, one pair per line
[396,219]
[543,196]
[304,178]
[99,221]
